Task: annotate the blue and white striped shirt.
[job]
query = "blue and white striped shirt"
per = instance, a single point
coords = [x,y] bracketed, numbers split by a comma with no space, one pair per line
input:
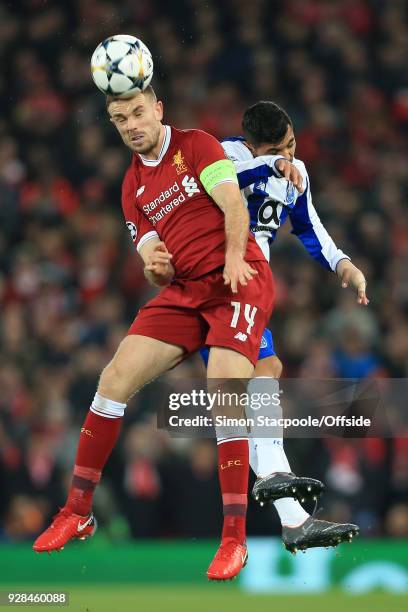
[272,199]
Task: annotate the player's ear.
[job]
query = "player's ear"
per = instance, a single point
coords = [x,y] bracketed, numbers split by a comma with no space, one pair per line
[251,148]
[158,110]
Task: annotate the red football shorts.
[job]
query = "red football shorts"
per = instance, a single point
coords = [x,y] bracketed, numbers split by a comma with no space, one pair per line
[194,313]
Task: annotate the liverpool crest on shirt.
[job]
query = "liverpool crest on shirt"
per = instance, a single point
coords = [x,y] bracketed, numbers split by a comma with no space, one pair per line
[178,161]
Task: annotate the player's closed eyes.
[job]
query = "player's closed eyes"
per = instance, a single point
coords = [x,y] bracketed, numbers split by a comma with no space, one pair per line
[277,151]
[123,120]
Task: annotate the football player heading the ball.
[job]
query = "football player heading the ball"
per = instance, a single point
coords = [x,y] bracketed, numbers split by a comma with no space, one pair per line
[182,202]
[177,177]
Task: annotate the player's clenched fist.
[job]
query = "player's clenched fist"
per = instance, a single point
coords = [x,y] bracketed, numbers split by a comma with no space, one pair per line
[158,268]
[237,270]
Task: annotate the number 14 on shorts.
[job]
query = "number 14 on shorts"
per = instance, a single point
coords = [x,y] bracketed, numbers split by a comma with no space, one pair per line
[249,314]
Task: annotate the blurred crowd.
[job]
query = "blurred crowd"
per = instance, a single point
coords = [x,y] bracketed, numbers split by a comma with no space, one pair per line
[70,283]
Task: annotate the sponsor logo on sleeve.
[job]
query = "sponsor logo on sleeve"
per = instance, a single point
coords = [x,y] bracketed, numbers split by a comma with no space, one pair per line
[132,229]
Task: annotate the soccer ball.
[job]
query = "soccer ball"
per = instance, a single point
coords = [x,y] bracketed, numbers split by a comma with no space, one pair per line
[122,66]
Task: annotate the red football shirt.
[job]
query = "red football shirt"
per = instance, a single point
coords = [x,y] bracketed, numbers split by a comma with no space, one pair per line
[167,197]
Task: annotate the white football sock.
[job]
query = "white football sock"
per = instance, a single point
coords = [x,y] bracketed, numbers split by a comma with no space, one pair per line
[270,454]
[267,455]
[107,408]
[291,513]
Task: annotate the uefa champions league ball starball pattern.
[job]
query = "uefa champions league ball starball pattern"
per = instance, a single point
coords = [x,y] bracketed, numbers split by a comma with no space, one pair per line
[122,66]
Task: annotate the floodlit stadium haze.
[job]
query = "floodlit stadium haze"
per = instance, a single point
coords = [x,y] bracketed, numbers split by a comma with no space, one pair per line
[71,284]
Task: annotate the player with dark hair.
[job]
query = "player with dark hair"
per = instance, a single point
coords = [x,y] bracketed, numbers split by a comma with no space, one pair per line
[268,137]
[265,123]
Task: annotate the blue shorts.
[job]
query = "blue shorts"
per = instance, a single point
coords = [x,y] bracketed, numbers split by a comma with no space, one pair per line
[267,349]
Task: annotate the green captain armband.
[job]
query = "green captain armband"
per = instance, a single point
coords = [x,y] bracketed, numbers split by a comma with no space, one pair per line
[221,171]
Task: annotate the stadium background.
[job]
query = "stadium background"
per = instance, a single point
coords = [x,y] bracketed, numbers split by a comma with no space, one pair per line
[70,283]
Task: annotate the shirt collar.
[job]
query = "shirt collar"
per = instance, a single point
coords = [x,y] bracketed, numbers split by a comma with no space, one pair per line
[163,150]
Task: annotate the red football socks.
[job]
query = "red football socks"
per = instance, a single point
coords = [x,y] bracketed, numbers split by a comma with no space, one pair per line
[233,470]
[98,437]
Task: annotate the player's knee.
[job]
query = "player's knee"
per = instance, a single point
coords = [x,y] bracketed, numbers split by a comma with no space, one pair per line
[108,376]
[110,373]
[277,367]
[270,366]
[227,363]
[114,383]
